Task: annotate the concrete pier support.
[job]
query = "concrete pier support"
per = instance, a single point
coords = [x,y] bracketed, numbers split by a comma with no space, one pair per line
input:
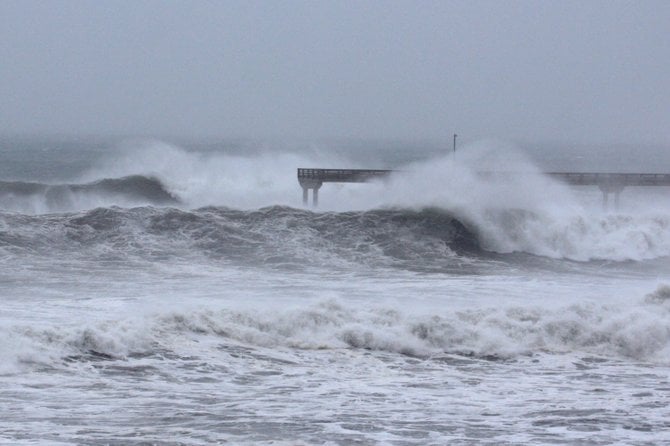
[306,186]
[608,188]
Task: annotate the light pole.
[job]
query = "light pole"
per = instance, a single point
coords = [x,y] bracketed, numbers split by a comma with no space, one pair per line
[455,135]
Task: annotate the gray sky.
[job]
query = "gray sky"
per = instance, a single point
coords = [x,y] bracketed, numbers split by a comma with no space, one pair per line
[592,72]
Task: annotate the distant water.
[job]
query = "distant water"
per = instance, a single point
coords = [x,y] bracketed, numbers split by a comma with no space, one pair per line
[157,293]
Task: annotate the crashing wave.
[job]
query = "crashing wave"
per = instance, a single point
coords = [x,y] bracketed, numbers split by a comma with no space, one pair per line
[421,240]
[277,236]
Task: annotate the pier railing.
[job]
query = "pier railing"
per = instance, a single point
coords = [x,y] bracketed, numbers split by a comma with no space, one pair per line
[625,179]
[341,175]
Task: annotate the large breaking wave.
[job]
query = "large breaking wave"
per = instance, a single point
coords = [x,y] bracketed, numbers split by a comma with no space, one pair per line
[276,236]
[247,207]
[428,239]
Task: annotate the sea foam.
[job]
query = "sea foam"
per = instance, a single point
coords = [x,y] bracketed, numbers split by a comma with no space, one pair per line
[637,331]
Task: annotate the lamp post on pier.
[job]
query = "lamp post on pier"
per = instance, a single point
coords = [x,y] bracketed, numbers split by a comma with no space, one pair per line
[455,135]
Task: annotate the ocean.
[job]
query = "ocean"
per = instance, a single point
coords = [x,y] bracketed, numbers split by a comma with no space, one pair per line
[159,293]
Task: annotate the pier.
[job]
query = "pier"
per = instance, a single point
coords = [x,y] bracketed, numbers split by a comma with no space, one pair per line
[608,183]
[314,179]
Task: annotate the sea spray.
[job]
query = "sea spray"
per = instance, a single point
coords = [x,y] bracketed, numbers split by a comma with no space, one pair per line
[243,181]
[504,198]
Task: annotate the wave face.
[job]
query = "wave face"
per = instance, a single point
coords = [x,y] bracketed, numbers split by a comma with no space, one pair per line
[421,240]
[38,197]
[278,236]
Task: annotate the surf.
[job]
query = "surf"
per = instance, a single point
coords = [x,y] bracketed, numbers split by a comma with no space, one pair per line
[634,330]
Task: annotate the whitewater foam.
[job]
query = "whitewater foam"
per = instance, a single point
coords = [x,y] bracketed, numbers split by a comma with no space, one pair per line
[636,331]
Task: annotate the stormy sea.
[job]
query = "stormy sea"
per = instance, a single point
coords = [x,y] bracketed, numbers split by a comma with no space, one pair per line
[166,293]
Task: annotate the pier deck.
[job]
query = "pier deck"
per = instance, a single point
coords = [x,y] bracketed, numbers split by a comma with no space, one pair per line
[313,178]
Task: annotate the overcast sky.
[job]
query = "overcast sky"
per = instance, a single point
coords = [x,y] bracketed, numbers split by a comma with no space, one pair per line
[583,71]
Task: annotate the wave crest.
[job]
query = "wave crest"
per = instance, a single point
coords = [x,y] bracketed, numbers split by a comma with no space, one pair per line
[125,191]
